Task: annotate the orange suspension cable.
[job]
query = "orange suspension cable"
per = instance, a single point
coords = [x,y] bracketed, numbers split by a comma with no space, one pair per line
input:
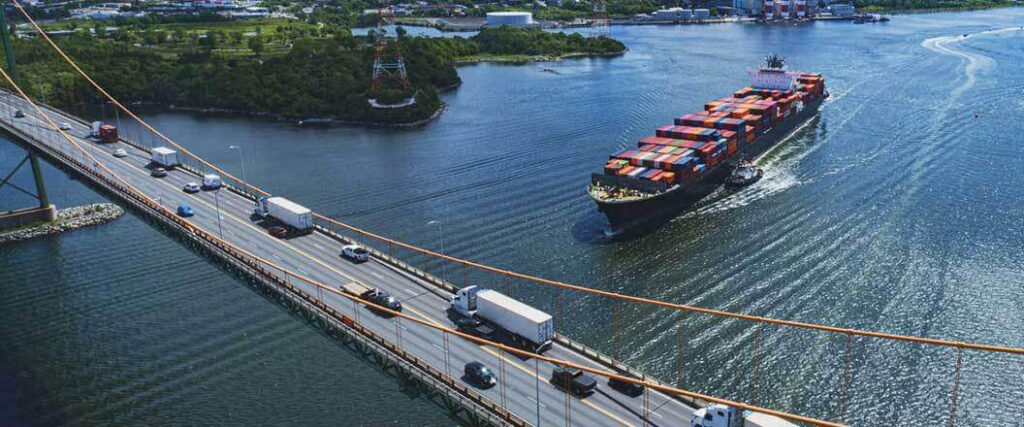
[535,279]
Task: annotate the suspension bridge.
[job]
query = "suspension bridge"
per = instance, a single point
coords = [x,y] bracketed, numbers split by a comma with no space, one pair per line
[419,345]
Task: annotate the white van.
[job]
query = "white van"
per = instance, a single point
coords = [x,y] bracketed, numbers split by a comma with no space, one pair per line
[212,182]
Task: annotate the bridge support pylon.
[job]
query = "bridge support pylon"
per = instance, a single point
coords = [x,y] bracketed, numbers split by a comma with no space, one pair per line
[45,212]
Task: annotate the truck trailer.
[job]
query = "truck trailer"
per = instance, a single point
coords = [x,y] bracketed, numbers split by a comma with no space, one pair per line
[164,156]
[286,212]
[525,326]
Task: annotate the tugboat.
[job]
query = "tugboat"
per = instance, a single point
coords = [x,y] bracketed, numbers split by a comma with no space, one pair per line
[745,173]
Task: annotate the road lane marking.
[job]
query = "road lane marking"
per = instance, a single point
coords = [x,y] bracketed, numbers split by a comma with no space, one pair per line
[331,268]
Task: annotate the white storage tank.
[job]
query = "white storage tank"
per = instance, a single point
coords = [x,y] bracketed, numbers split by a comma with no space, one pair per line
[701,14]
[512,19]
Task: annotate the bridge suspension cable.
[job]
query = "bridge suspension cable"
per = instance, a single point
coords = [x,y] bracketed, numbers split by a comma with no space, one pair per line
[522,276]
[151,203]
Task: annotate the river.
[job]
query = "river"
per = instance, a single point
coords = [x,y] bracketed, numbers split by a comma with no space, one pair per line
[897,210]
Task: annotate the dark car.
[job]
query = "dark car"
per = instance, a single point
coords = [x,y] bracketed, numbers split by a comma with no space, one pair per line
[382,298]
[19,114]
[479,374]
[573,381]
[158,172]
[474,326]
[625,387]
[278,231]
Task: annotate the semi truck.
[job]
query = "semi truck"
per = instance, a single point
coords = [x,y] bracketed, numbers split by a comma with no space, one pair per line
[719,415]
[525,326]
[164,156]
[103,132]
[285,211]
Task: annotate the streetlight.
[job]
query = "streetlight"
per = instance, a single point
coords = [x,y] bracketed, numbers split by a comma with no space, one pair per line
[241,159]
[444,277]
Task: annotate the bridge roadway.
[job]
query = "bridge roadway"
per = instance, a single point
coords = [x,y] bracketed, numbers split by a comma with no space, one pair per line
[317,256]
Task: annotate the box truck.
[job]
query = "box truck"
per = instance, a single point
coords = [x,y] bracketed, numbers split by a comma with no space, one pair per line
[164,156]
[525,326]
[286,212]
[719,415]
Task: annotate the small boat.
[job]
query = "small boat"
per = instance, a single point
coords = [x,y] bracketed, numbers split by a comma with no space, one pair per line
[744,174]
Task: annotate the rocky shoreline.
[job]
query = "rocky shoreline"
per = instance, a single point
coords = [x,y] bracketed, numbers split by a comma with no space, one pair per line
[67,220]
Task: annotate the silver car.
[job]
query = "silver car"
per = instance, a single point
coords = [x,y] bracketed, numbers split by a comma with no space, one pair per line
[120,153]
[191,188]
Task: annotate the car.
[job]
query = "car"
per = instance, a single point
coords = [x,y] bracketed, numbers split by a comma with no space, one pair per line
[158,172]
[65,126]
[212,182]
[382,298]
[119,153]
[474,326]
[19,114]
[185,211]
[278,231]
[355,253]
[573,381]
[479,374]
[626,387]
[190,188]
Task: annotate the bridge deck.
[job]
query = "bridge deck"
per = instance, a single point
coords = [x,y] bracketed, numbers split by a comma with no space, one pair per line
[317,257]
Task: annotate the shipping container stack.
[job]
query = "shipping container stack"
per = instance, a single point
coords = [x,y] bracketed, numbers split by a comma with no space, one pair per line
[698,142]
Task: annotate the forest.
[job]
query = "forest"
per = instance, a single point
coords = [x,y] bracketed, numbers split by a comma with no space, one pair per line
[291,73]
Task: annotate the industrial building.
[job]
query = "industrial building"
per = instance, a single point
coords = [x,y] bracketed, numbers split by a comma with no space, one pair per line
[512,19]
[785,9]
[672,14]
[843,10]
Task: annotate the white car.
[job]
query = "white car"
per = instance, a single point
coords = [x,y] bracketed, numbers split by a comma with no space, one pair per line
[191,188]
[65,126]
[355,253]
[120,153]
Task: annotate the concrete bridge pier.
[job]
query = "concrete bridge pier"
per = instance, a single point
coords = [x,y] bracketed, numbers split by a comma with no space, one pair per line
[45,212]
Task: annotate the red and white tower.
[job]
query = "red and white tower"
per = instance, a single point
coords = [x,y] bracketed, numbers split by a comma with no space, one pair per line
[388,64]
[600,20]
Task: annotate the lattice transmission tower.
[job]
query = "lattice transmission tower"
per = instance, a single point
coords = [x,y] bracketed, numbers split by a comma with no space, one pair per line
[388,64]
[600,20]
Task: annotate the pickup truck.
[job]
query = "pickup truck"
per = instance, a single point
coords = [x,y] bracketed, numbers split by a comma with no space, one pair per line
[573,381]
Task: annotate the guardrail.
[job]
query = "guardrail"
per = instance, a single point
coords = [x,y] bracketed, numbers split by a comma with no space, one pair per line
[481,406]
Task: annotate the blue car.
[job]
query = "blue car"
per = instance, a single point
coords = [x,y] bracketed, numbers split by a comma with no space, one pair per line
[185,211]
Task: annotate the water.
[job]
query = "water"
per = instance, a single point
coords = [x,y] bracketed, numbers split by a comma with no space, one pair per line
[897,210]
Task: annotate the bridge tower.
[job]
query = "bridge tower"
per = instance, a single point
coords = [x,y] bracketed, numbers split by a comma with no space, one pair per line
[600,19]
[388,64]
[45,211]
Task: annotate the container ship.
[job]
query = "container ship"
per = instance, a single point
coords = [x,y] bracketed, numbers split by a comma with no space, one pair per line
[681,164]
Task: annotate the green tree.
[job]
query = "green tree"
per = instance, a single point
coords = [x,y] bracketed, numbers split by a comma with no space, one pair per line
[256,45]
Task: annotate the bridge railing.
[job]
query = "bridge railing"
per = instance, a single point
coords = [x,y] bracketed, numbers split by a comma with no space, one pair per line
[410,256]
[90,165]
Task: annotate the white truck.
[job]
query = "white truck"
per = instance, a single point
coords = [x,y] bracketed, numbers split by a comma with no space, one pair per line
[164,156]
[719,415]
[285,211]
[526,326]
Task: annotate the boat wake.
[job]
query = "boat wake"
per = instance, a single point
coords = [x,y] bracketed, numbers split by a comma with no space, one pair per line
[949,45]
[776,180]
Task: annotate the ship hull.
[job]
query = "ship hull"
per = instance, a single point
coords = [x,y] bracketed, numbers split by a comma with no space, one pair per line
[628,217]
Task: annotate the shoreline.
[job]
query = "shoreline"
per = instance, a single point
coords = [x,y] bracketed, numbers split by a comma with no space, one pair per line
[68,219]
[325,121]
[526,59]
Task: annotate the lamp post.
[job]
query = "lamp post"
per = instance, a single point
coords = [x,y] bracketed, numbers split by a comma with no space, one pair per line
[440,229]
[241,159]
